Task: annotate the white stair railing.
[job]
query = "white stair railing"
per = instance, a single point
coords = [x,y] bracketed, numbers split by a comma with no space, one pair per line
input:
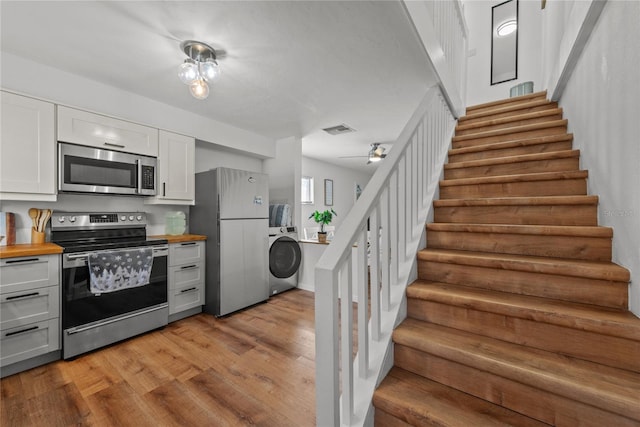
[394,206]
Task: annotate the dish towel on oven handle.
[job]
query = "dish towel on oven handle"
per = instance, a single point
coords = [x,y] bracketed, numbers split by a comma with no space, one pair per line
[112,271]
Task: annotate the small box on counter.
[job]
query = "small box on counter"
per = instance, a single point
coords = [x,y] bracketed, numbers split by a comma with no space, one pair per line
[7,229]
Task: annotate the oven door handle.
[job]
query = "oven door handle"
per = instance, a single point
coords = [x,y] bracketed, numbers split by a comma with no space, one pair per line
[86,254]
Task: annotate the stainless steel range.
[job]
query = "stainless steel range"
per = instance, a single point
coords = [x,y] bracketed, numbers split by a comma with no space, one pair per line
[114,279]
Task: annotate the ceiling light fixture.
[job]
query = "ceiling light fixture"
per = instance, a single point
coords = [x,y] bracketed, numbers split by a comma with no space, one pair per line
[201,67]
[507,28]
[376,153]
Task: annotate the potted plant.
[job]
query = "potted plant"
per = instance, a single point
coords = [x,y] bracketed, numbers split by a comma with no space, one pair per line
[323,218]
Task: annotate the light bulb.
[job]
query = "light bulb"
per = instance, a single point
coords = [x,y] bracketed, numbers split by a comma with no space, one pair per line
[374,158]
[209,69]
[188,71]
[199,89]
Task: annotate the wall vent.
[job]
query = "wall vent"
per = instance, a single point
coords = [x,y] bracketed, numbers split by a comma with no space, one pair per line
[338,130]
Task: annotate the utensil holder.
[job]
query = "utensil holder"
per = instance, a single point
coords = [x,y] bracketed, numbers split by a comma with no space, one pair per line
[37,237]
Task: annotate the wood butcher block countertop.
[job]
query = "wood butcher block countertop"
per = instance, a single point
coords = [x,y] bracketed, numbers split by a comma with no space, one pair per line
[27,249]
[180,238]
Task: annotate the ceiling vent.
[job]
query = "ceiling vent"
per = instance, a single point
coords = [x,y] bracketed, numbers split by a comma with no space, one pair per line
[338,130]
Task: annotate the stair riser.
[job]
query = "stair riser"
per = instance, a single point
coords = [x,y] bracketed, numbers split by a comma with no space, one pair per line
[536,166]
[508,103]
[460,132]
[384,419]
[557,130]
[559,187]
[533,402]
[604,349]
[519,214]
[572,247]
[501,115]
[575,289]
[509,152]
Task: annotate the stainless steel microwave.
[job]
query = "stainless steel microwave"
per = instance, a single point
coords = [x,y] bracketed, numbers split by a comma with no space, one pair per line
[83,169]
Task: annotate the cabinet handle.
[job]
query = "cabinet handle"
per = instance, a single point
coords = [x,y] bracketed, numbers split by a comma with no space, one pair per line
[188,244]
[33,294]
[188,290]
[16,261]
[164,189]
[33,328]
[188,266]
[113,145]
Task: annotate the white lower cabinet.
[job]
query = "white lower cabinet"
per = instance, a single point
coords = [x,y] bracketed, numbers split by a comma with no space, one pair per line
[186,279]
[29,310]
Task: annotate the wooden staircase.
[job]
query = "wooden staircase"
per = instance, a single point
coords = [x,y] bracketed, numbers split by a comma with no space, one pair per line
[518,317]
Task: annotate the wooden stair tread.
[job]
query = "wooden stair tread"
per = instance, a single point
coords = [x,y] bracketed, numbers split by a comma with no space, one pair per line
[514,118]
[511,130]
[538,230]
[506,109]
[598,270]
[601,386]
[512,100]
[419,401]
[564,154]
[512,144]
[585,317]
[526,177]
[519,201]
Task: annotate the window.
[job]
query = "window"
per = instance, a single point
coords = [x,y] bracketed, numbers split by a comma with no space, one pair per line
[307,190]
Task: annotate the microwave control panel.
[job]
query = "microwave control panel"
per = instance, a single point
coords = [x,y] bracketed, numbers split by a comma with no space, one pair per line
[148,177]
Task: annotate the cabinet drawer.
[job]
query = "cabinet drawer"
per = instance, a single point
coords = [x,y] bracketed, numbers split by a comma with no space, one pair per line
[186,252]
[186,297]
[25,342]
[82,127]
[186,275]
[22,308]
[25,273]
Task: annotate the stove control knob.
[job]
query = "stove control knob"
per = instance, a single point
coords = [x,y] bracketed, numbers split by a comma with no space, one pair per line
[72,219]
[123,218]
[139,217]
[130,217]
[61,219]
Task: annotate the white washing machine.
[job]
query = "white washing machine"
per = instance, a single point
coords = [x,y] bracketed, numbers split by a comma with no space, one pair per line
[285,256]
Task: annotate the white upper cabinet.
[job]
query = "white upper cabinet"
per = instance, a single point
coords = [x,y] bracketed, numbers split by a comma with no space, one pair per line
[82,127]
[176,170]
[27,149]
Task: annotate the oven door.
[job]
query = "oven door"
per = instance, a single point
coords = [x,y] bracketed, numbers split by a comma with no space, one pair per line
[91,321]
[93,170]
[81,307]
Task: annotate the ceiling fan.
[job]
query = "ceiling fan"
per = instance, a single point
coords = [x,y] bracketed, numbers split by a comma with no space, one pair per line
[376,153]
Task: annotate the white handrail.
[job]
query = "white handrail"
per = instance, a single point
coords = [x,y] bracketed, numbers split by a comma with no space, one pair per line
[395,204]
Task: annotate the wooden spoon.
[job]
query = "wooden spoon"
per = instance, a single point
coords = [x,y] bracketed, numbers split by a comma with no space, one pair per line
[45,218]
[33,213]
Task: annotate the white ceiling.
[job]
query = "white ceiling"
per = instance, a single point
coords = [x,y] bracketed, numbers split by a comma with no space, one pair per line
[290,68]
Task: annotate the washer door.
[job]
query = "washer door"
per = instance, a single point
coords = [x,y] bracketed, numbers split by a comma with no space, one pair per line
[284,257]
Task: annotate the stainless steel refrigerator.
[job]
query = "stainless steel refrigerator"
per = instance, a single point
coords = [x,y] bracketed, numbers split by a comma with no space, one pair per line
[232,210]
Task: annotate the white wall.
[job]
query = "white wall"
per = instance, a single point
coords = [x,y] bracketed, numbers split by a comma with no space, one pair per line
[602,104]
[40,81]
[210,156]
[478,16]
[282,171]
[343,190]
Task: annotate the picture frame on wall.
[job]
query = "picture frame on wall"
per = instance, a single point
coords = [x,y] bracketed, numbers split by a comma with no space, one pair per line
[328,192]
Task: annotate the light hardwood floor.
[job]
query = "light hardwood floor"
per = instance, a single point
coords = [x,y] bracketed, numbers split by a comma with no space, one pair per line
[255,367]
